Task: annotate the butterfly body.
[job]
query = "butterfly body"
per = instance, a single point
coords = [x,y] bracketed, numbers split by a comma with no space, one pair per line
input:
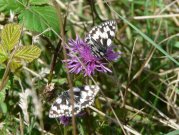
[100,37]
[83,97]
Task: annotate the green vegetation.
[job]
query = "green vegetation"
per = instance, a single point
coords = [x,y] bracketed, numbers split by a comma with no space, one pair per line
[140,96]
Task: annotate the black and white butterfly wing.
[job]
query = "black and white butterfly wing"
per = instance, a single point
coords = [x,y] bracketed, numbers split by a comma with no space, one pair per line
[88,98]
[100,37]
[63,107]
[83,97]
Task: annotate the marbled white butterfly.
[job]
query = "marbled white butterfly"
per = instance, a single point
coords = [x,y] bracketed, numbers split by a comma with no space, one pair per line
[83,97]
[100,37]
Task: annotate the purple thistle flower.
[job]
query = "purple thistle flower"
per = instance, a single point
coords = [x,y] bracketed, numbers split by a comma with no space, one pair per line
[65,120]
[111,55]
[85,58]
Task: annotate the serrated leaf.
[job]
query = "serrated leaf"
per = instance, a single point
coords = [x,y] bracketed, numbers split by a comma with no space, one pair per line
[24,55]
[36,18]
[27,53]
[15,64]
[38,2]
[2,58]
[13,5]
[10,36]
[3,54]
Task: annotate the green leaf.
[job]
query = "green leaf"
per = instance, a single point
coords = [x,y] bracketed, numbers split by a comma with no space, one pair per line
[24,55]
[176,45]
[3,54]
[60,81]
[38,2]
[15,64]
[36,18]
[13,5]
[175,132]
[3,107]
[2,96]
[81,129]
[27,53]
[3,91]
[10,36]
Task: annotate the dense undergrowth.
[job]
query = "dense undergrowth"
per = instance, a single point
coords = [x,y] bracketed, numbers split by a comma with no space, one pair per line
[139,96]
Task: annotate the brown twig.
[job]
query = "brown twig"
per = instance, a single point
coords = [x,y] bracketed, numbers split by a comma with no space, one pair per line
[21,126]
[55,56]
[93,10]
[54,60]
[58,9]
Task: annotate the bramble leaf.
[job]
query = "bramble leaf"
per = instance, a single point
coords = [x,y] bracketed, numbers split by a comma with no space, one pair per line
[36,18]
[10,36]
[27,53]
[38,2]
[24,55]
[3,54]
[16,63]
[11,5]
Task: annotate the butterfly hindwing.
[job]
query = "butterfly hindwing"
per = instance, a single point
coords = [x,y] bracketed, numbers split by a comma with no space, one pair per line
[100,37]
[62,106]
[83,97]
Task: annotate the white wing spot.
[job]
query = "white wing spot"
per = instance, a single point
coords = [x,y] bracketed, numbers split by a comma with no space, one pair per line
[54,108]
[104,35]
[112,33]
[95,36]
[76,89]
[101,41]
[59,100]
[109,42]
[87,87]
[107,28]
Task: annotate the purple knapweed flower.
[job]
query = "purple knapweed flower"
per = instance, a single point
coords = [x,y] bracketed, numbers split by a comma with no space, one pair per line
[81,58]
[65,120]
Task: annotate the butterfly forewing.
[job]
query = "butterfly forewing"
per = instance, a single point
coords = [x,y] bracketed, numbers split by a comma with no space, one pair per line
[100,37]
[83,97]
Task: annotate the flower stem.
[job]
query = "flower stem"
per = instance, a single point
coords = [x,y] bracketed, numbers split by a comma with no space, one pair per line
[62,29]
